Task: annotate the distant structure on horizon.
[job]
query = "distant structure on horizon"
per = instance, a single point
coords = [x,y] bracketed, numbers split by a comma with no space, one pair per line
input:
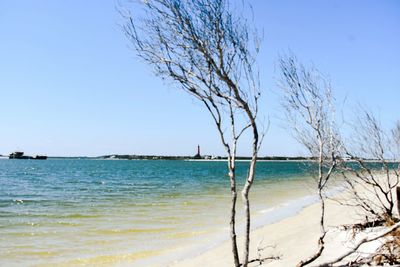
[20,155]
[197,156]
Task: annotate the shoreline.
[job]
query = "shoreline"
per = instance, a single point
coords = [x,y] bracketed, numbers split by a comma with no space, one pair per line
[283,236]
[270,215]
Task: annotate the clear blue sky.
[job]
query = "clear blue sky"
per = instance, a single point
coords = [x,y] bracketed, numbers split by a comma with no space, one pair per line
[69,85]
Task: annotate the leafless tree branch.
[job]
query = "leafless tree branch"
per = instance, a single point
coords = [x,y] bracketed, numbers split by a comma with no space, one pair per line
[372,167]
[208,50]
[309,110]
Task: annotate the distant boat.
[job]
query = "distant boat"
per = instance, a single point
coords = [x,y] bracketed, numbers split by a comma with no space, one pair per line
[20,155]
[40,157]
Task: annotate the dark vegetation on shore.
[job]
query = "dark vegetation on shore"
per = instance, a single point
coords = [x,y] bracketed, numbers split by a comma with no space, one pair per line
[155,157]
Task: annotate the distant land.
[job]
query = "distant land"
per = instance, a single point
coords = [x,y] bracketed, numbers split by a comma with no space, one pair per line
[157,157]
[196,157]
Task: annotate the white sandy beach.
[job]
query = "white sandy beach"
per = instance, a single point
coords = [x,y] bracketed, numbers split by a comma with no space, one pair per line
[292,239]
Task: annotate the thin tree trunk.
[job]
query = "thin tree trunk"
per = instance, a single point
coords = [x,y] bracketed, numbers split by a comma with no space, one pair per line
[321,244]
[233,230]
[398,199]
[232,224]
[247,230]
[245,196]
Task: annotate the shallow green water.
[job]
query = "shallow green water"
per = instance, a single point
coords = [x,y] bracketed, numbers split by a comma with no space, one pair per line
[126,213]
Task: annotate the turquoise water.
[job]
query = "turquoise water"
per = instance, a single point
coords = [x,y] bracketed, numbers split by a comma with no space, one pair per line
[126,213]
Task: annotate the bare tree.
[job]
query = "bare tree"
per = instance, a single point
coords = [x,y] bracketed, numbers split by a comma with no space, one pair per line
[208,50]
[309,110]
[396,135]
[372,173]
[396,138]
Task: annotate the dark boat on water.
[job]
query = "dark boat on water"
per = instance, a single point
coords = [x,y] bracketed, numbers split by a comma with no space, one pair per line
[16,155]
[40,157]
[20,155]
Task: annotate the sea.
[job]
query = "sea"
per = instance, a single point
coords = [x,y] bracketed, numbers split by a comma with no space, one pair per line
[82,212]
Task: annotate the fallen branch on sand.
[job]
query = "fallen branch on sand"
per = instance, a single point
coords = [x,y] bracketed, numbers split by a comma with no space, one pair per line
[261,261]
[260,249]
[361,242]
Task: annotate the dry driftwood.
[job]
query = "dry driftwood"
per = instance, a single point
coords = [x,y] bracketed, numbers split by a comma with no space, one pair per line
[359,243]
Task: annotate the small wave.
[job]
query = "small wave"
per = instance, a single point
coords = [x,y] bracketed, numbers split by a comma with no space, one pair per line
[289,208]
[68,223]
[111,259]
[134,231]
[186,234]
[32,253]
[41,253]
[36,233]
[15,214]
[78,216]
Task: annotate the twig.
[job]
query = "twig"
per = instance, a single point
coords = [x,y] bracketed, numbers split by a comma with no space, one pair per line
[264,259]
[362,241]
